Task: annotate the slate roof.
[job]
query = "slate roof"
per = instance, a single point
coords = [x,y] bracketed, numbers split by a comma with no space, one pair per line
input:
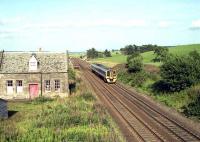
[18,62]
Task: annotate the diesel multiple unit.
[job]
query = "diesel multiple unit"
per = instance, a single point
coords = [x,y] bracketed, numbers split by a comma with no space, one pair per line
[108,74]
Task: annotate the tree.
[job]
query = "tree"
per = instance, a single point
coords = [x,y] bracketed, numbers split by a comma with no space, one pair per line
[130,49]
[161,54]
[92,53]
[107,53]
[134,62]
[180,72]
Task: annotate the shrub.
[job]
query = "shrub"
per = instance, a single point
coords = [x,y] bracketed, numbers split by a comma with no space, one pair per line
[180,72]
[161,54]
[193,109]
[133,79]
[134,62]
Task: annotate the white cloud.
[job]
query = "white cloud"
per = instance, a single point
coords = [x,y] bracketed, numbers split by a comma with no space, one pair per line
[10,31]
[195,25]
[87,23]
[13,20]
[165,24]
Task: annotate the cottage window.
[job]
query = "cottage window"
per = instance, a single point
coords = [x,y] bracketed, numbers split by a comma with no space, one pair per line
[57,85]
[19,82]
[9,83]
[19,86]
[10,88]
[47,85]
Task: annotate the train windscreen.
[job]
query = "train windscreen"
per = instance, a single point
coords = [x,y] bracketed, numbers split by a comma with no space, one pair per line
[108,73]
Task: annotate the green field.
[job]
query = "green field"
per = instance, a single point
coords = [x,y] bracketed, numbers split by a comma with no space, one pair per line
[178,50]
[111,61]
[147,56]
[76,54]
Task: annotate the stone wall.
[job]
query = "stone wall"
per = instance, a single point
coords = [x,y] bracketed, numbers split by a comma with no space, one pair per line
[34,78]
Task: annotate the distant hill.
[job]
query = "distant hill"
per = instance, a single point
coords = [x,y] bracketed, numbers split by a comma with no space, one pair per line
[147,56]
[178,50]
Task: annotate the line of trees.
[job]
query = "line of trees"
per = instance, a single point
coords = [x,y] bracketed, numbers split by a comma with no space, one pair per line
[130,49]
[93,53]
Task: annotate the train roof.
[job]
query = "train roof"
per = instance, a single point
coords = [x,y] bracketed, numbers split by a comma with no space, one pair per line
[101,66]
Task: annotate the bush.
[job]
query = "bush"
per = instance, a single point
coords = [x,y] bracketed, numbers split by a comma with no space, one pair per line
[180,72]
[134,62]
[193,109]
[133,79]
[161,54]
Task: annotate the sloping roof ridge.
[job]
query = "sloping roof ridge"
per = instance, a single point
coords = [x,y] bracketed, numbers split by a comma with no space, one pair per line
[38,52]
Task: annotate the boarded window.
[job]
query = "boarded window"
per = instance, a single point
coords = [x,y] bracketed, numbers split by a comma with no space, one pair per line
[9,83]
[47,85]
[19,83]
[57,85]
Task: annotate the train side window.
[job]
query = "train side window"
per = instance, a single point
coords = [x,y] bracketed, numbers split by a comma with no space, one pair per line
[114,72]
[108,73]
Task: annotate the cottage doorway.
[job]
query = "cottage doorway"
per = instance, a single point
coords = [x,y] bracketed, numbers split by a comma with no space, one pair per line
[33,90]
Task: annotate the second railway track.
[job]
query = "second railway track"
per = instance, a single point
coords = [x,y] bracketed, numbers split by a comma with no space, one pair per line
[145,121]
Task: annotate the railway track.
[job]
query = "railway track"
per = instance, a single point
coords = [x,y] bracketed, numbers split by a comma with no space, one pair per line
[144,120]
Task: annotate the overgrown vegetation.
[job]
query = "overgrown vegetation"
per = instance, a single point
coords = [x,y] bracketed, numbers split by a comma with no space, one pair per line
[177,85]
[134,62]
[77,118]
[180,72]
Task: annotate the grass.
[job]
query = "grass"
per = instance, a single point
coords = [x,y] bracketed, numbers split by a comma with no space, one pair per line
[76,54]
[111,61]
[177,50]
[77,118]
[147,56]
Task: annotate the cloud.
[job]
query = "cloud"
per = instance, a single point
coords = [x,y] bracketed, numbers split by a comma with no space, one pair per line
[10,31]
[195,25]
[8,21]
[165,24]
[87,23]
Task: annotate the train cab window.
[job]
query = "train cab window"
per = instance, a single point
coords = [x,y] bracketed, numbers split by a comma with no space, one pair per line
[108,73]
[114,72]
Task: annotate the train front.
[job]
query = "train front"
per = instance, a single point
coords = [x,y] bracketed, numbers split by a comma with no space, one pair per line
[111,76]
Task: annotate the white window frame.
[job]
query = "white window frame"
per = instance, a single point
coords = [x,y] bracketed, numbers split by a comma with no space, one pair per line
[57,85]
[47,86]
[9,86]
[19,86]
[9,83]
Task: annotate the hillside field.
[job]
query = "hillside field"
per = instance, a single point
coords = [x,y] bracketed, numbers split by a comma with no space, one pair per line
[147,56]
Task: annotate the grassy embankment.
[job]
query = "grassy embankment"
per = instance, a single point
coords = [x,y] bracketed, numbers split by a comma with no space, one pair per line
[77,118]
[143,81]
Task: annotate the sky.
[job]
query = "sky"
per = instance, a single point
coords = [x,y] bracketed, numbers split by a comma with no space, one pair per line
[77,25]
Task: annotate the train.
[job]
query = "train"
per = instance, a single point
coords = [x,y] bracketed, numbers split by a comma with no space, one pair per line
[109,75]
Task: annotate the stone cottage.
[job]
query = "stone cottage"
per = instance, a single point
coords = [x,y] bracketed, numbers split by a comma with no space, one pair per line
[31,74]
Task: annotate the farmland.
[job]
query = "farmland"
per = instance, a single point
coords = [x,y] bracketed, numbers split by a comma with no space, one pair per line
[147,56]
